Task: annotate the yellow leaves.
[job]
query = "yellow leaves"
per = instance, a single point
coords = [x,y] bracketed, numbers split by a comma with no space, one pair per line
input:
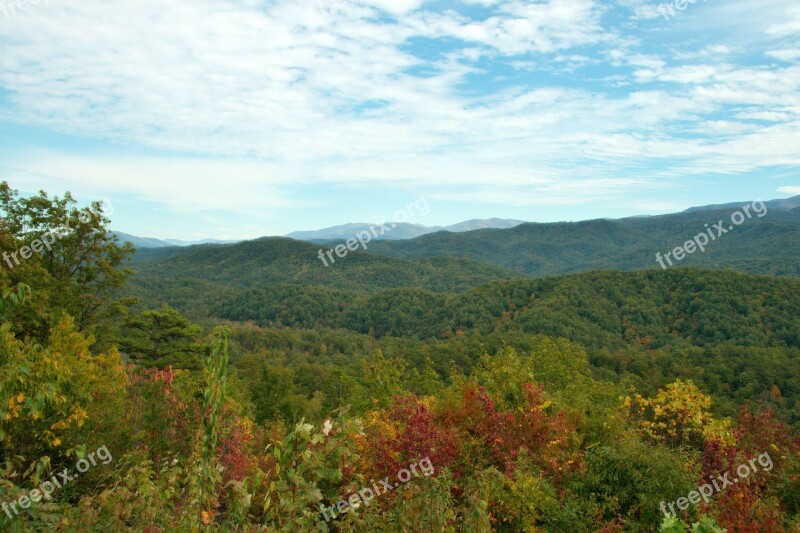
[14,406]
[15,400]
[206,518]
[77,418]
[247,428]
[69,343]
[678,413]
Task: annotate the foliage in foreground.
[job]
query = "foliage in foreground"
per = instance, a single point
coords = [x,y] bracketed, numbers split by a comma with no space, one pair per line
[519,432]
[524,443]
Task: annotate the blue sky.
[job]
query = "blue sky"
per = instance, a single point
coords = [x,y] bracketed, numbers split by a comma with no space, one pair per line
[222,119]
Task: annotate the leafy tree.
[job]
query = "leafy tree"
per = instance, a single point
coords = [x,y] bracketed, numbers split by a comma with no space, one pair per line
[160,338]
[678,415]
[630,478]
[56,401]
[75,263]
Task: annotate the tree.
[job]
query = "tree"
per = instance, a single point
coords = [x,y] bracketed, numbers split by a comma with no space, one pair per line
[68,256]
[678,415]
[160,338]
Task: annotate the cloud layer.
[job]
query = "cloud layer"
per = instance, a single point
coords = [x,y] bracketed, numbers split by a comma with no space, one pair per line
[513,102]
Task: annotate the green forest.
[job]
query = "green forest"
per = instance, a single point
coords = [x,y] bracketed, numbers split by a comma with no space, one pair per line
[544,378]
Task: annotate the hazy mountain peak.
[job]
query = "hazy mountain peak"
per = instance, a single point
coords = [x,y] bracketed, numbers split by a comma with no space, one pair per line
[399,231]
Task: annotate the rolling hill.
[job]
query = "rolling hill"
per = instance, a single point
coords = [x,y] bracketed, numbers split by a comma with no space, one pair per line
[768,245]
[455,262]
[276,260]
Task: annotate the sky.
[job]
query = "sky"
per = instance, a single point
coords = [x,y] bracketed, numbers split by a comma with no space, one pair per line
[226,119]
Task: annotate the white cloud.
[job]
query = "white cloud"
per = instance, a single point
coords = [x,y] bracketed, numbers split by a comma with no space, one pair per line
[397,7]
[253,96]
[785,54]
[790,189]
[181,183]
[711,51]
[790,25]
[521,27]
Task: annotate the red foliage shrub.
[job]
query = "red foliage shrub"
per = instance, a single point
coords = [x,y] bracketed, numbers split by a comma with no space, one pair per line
[743,507]
[503,434]
[410,433]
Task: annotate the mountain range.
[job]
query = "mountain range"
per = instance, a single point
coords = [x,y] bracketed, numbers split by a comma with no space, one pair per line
[767,245]
[399,231]
[405,231]
[447,262]
[150,242]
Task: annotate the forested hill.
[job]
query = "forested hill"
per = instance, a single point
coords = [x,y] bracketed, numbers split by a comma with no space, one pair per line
[275,260]
[649,309]
[767,245]
[737,334]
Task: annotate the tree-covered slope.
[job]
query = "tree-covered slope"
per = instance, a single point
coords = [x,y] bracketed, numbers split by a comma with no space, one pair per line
[767,245]
[273,261]
[649,309]
[760,245]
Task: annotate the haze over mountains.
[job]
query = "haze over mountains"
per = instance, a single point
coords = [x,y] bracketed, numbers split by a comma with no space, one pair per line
[455,262]
[405,230]
[401,230]
[398,231]
[150,242]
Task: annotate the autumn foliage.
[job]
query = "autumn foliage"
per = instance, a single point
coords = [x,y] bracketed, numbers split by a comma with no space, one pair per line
[262,429]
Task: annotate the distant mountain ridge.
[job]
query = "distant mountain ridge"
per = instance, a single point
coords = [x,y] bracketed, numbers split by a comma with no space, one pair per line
[447,261]
[768,245]
[149,242]
[398,231]
[401,230]
[784,204]
[407,231]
